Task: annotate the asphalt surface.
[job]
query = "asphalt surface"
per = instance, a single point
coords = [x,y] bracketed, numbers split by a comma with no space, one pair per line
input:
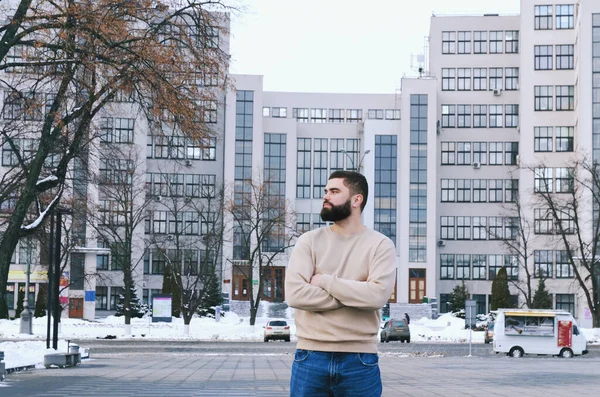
[146,368]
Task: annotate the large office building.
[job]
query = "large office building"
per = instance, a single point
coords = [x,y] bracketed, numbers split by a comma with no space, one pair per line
[503,106]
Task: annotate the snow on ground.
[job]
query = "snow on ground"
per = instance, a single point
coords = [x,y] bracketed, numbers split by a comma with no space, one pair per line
[23,349]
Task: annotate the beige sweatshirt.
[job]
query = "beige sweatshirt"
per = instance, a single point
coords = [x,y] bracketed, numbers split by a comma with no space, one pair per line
[358,275]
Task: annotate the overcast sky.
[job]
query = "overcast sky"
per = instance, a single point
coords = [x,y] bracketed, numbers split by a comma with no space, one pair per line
[345,46]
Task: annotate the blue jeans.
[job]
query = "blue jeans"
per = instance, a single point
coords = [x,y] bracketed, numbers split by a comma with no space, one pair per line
[316,373]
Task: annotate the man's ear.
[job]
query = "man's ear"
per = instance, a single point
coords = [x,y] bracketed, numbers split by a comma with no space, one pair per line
[357,200]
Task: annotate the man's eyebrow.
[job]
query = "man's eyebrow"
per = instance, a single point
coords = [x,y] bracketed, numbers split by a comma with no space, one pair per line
[333,188]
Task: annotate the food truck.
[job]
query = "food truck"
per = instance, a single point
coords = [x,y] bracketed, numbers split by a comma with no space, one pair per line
[522,331]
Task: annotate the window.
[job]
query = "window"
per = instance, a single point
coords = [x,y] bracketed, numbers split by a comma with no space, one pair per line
[480,42]
[463,227]
[375,114]
[565,97]
[101,298]
[464,79]
[208,149]
[464,42]
[116,130]
[319,166]
[479,266]
[448,153]
[511,41]
[564,139]
[565,180]
[543,180]
[464,116]
[480,152]
[463,153]
[447,228]
[511,152]
[318,115]
[448,190]
[511,78]
[336,115]
[563,265]
[565,302]
[542,263]
[448,42]
[543,97]
[448,116]
[300,114]
[463,190]
[479,116]
[448,79]
[266,112]
[511,190]
[565,56]
[542,139]
[114,296]
[303,168]
[564,16]
[463,267]
[496,190]
[543,17]
[542,222]
[353,115]
[511,262]
[102,261]
[542,57]
[479,227]
[495,153]
[479,79]
[496,42]
[496,78]
[566,220]
[479,190]
[209,109]
[495,116]
[447,267]
[496,227]
[495,263]
[393,114]
[279,112]
[511,116]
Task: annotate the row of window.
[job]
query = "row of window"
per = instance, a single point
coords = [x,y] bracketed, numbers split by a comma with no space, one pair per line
[544,140]
[181,185]
[564,302]
[480,153]
[546,221]
[321,115]
[26,148]
[564,17]
[459,116]
[552,263]
[191,223]
[480,42]
[559,180]
[477,266]
[544,57]
[544,94]
[476,79]
[180,148]
[29,106]
[478,227]
[479,190]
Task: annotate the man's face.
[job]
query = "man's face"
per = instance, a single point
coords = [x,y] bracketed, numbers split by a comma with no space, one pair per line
[336,201]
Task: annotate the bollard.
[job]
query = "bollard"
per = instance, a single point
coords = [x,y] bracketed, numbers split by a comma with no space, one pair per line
[218,313]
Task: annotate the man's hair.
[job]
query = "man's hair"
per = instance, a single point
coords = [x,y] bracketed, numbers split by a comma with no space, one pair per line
[356,182]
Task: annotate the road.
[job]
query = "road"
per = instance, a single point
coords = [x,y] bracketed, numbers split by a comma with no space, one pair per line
[186,369]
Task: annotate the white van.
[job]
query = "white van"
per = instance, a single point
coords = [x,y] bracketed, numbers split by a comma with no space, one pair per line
[523,331]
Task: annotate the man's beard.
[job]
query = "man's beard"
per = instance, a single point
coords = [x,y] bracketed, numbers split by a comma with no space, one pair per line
[336,213]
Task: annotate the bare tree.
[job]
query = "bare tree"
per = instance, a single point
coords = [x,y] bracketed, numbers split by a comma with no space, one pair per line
[573,216]
[192,248]
[263,226]
[62,61]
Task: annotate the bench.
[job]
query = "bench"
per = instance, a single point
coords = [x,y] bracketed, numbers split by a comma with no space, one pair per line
[62,360]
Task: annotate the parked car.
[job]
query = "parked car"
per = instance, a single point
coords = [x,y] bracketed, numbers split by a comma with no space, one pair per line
[395,330]
[277,329]
[488,333]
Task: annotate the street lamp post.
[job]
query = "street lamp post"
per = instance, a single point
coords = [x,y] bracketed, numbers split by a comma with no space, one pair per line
[360,162]
[26,317]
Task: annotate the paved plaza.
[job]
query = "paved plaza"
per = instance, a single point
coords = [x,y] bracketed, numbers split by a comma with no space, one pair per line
[193,374]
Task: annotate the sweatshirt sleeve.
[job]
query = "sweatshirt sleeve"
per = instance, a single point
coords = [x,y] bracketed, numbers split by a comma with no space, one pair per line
[376,290]
[299,292]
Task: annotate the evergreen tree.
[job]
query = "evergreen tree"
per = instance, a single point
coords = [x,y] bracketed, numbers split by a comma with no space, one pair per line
[459,295]
[170,287]
[138,309]
[40,303]
[500,292]
[20,299]
[542,299]
[212,297]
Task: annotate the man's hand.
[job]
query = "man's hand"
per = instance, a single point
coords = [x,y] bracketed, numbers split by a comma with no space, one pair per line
[315,280]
